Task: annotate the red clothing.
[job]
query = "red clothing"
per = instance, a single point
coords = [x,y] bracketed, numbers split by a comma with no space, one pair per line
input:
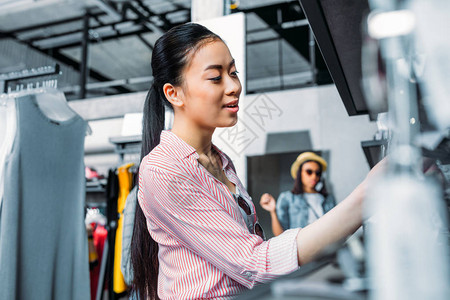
[205,247]
[99,234]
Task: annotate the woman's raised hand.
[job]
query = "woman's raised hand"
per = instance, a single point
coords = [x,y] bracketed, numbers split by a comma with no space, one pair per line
[268,202]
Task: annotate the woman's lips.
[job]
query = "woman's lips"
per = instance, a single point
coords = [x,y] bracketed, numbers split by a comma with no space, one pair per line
[232,106]
[233,109]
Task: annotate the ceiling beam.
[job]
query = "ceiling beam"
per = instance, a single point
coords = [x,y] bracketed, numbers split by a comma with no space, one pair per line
[162,17]
[145,42]
[4,35]
[63,59]
[141,20]
[145,16]
[50,24]
[76,65]
[102,39]
[113,26]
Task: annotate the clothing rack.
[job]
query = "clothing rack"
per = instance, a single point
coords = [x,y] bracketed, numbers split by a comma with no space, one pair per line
[126,145]
[101,205]
[95,186]
[108,256]
[7,78]
[109,187]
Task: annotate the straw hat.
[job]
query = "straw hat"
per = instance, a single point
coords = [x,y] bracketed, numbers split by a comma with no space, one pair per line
[304,157]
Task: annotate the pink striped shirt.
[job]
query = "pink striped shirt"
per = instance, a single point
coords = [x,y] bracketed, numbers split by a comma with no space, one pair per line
[206,250]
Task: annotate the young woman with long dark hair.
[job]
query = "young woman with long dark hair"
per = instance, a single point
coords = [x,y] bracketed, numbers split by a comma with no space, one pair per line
[196,234]
[306,202]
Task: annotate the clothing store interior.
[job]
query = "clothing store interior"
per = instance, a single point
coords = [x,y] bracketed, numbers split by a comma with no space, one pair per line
[337,85]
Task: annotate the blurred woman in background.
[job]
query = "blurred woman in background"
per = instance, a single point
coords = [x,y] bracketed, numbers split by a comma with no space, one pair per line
[306,202]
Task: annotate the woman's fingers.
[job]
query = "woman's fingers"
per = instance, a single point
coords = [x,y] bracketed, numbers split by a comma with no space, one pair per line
[266,198]
[264,201]
[267,202]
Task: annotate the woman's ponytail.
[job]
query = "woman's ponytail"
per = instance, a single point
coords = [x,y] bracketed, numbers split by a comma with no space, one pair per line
[153,120]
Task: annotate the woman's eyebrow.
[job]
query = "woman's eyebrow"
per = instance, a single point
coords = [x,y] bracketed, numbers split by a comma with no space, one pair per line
[219,67]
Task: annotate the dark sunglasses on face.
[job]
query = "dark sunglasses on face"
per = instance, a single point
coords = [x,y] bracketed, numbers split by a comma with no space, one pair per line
[310,172]
[246,208]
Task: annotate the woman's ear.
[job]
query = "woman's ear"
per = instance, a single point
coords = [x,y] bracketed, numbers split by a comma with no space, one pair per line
[173,95]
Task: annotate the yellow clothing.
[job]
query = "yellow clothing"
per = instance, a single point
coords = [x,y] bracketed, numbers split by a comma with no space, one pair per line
[125,181]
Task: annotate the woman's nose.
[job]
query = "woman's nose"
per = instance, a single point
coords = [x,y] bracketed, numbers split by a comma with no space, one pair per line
[233,86]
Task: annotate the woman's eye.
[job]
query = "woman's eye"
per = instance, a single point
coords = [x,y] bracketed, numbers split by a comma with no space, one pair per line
[234,73]
[215,78]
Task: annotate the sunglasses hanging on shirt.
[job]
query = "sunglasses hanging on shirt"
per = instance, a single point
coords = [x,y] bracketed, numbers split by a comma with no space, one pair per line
[246,208]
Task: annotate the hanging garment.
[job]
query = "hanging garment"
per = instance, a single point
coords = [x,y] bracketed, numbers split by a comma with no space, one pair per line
[7,133]
[99,236]
[112,194]
[43,244]
[125,181]
[128,226]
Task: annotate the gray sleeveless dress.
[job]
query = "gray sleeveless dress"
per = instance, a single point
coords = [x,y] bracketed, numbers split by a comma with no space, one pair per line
[43,242]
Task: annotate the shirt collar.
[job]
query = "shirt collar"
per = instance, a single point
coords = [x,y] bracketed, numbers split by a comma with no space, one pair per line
[184,150]
[222,156]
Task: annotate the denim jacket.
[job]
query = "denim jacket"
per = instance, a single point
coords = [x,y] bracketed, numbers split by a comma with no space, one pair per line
[293,210]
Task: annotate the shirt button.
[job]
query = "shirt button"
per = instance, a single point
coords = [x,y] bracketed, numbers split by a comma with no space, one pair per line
[248,274]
